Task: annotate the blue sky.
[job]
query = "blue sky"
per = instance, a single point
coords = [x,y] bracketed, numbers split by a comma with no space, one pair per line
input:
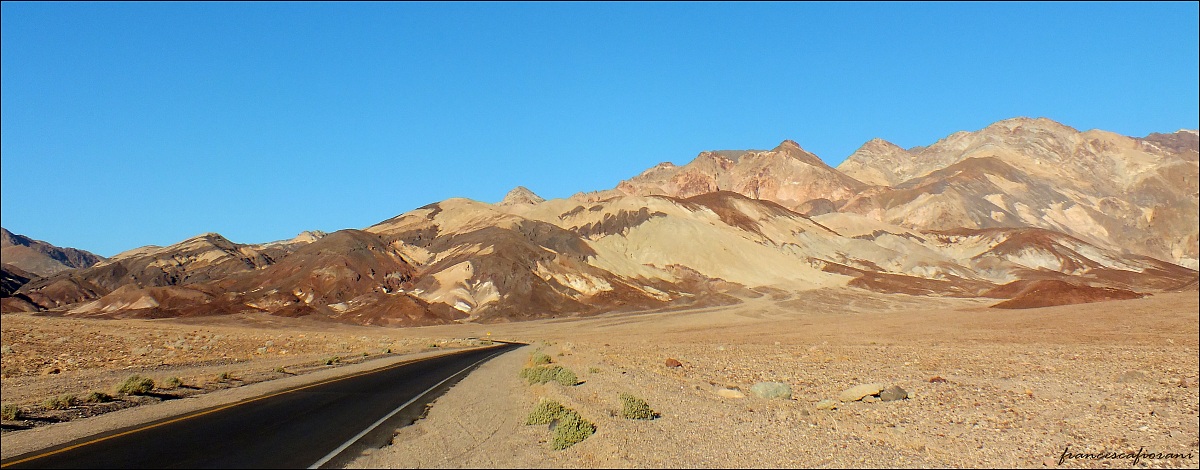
[129,124]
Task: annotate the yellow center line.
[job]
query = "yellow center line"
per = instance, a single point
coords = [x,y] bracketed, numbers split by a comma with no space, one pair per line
[214,410]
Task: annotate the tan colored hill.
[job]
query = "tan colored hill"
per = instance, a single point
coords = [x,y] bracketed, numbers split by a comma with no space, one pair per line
[1118,192]
[787,174]
[41,258]
[876,162]
[520,195]
[728,226]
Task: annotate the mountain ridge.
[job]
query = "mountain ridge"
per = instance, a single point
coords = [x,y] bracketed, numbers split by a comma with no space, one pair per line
[1007,205]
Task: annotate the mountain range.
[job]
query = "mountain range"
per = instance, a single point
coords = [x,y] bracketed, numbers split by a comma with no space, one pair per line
[1029,212]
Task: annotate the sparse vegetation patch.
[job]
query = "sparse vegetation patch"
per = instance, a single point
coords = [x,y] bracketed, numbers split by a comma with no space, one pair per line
[569,427]
[61,402]
[540,358]
[635,408]
[545,412]
[136,385]
[97,397]
[543,374]
[10,412]
[572,429]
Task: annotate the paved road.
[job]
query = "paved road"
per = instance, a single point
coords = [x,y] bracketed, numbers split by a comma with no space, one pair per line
[298,428]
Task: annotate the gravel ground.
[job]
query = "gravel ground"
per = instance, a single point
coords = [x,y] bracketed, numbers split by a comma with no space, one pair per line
[987,388]
[1009,389]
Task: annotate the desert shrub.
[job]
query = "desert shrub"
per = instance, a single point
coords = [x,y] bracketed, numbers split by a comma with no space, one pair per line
[571,429]
[593,370]
[174,382]
[635,408]
[543,374]
[97,397]
[281,370]
[545,412]
[136,385]
[565,377]
[539,358]
[332,360]
[61,402]
[10,412]
[224,376]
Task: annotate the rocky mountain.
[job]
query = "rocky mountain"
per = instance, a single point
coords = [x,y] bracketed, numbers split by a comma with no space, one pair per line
[1123,193]
[1003,213]
[41,258]
[787,175]
[521,195]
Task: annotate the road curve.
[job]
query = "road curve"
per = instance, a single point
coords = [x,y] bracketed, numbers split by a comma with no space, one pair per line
[321,424]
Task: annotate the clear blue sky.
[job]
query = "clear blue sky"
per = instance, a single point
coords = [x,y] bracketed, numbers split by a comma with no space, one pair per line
[128,124]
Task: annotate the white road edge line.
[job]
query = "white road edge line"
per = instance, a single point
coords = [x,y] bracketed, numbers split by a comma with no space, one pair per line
[354,439]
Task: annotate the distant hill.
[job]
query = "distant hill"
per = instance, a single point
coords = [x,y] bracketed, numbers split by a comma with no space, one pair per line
[1022,209]
[41,258]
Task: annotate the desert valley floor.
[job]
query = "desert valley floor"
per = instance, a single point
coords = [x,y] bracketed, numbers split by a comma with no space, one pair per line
[987,387]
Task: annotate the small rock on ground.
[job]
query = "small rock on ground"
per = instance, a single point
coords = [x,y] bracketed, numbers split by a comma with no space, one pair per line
[858,392]
[893,393]
[771,390]
[826,404]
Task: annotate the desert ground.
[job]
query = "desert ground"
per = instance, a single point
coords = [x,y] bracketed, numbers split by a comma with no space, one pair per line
[986,387]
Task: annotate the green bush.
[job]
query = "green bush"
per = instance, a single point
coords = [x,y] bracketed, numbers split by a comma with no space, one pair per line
[281,370]
[635,408]
[61,402]
[174,382]
[97,397]
[571,429]
[539,358]
[543,374]
[332,360]
[224,376]
[9,412]
[545,412]
[136,385]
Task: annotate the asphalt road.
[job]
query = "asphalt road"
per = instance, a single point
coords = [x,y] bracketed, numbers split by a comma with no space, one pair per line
[322,424]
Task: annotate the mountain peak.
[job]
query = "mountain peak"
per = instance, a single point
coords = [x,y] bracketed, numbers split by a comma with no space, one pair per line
[1039,123]
[309,236]
[521,195]
[878,144]
[788,144]
[792,149]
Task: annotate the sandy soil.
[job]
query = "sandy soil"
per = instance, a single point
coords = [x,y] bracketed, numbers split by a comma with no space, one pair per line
[1020,387]
[1010,388]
